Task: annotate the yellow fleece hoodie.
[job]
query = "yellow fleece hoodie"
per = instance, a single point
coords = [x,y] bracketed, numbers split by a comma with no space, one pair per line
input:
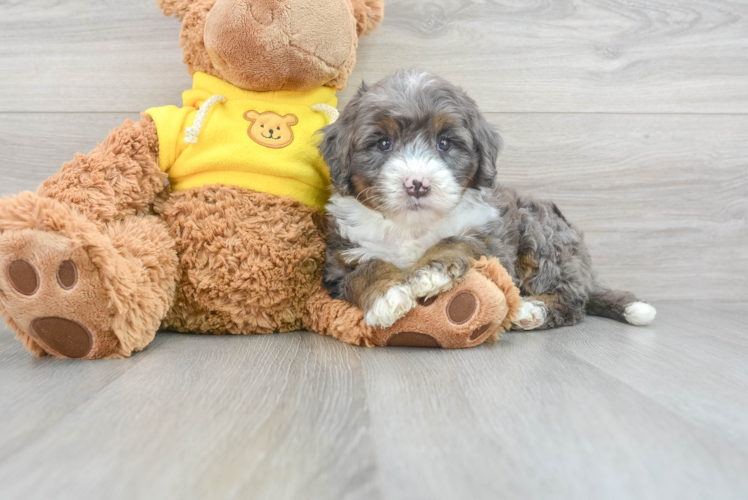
[263,141]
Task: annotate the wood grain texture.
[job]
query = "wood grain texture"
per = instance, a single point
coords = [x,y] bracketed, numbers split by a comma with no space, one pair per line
[236,417]
[546,55]
[35,145]
[600,410]
[662,199]
[632,116]
[561,415]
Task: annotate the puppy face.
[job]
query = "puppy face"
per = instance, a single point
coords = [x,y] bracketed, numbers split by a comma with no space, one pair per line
[409,146]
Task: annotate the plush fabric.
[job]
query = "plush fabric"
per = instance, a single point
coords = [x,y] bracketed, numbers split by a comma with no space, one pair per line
[492,270]
[231,147]
[106,251]
[433,323]
[118,178]
[274,45]
[126,274]
[474,311]
[249,261]
[279,45]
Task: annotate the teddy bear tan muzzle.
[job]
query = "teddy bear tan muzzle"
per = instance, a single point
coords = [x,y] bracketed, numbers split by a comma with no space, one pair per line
[280,44]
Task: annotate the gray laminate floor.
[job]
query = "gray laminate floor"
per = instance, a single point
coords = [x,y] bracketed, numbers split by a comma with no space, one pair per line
[600,410]
[632,116]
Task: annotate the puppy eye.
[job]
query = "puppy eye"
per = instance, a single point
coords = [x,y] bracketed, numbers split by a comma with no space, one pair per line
[443,144]
[384,144]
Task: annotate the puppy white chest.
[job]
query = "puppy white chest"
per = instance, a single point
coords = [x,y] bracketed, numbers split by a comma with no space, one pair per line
[410,251]
[401,245]
[402,252]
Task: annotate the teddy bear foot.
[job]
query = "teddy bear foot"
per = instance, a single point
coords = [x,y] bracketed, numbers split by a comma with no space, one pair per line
[71,291]
[467,315]
[50,292]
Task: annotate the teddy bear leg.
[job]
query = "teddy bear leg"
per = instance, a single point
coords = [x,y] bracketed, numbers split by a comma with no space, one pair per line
[120,177]
[475,310]
[336,318]
[73,289]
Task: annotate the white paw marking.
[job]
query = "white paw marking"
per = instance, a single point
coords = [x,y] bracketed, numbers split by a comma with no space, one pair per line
[390,307]
[428,282]
[639,313]
[531,315]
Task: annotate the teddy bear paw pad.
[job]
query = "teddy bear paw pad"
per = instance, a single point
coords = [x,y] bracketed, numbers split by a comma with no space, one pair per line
[69,338]
[23,277]
[462,307]
[52,292]
[412,339]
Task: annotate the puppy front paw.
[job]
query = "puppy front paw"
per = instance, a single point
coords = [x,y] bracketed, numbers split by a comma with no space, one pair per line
[438,277]
[390,307]
[531,315]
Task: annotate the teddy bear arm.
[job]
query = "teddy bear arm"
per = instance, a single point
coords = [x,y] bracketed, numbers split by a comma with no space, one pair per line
[120,177]
[368,14]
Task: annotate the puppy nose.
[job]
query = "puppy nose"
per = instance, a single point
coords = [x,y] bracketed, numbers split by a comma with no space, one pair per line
[417,186]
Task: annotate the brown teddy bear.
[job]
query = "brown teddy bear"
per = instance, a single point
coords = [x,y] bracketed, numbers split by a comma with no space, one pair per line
[106,251]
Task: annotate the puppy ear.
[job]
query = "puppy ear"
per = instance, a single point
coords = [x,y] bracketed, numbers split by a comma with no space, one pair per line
[368,15]
[487,145]
[337,143]
[335,147]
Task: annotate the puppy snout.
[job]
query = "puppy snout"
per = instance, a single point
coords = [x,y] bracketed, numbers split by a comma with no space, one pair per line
[417,186]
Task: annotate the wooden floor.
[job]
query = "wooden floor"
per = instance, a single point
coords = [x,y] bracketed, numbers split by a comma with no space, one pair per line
[631,115]
[601,410]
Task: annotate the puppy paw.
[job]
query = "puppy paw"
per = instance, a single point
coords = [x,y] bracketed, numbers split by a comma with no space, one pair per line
[390,307]
[437,277]
[531,315]
[430,281]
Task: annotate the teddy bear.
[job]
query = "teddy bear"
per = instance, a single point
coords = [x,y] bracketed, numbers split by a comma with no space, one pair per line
[209,218]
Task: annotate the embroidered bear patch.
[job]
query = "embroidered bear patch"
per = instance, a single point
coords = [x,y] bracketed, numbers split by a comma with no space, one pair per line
[270,129]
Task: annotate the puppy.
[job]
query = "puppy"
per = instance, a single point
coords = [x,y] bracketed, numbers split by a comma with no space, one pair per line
[413,164]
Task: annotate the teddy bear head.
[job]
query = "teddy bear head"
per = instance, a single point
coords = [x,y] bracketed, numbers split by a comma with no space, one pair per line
[267,45]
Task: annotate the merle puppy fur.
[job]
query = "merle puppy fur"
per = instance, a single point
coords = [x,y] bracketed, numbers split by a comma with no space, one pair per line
[413,164]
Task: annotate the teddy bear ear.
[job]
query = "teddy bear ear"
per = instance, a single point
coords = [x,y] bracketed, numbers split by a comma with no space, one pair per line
[368,14]
[290,120]
[177,8]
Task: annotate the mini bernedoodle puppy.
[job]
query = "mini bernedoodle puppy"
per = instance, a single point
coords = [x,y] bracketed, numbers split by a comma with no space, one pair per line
[413,164]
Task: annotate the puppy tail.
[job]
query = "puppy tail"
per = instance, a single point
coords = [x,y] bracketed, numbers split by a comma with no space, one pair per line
[621,306]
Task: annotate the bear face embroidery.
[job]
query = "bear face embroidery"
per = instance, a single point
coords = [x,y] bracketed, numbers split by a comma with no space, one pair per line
[270,129]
